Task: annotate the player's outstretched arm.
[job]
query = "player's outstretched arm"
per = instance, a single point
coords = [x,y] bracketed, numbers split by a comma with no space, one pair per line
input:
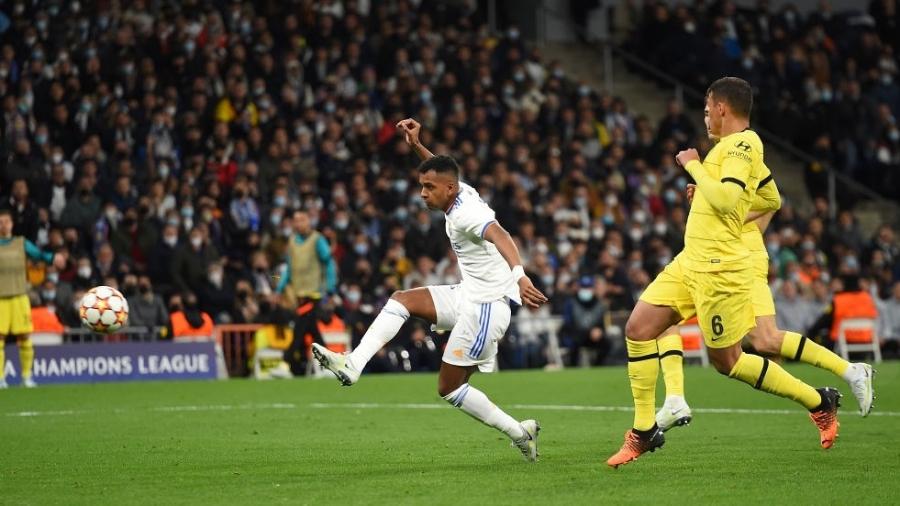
[411,129]
[58,260]
[531,296]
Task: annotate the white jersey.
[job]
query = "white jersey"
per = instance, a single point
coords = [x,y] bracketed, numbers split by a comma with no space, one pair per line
[486,277]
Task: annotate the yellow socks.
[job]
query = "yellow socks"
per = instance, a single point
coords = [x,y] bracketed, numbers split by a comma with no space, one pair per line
[671,360]
[767,376]
[797,347]
[2,360]
[643,368]
[26,357]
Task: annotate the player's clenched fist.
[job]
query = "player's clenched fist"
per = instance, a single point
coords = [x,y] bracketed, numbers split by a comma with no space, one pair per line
[687,156]
[410,128]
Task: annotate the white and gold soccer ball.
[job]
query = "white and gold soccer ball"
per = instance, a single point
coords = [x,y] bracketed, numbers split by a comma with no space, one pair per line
[103,310]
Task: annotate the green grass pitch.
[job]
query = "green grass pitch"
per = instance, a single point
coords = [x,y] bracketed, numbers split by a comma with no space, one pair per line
[314,442]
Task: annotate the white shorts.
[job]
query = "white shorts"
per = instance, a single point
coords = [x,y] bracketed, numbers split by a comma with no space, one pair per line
[475,328]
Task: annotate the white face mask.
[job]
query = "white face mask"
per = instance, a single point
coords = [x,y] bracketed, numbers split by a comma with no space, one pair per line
[84,271]
[196,242]
[585,294]
[170,240]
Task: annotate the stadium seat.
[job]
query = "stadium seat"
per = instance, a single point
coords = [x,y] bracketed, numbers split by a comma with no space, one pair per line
[692,341]
[550,327]
[46,338]
[857,335]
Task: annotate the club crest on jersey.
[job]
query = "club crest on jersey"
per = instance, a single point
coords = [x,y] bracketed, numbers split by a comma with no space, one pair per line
[742,145]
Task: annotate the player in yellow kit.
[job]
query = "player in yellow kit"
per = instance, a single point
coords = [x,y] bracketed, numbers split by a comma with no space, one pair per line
[766,337]
[712,278]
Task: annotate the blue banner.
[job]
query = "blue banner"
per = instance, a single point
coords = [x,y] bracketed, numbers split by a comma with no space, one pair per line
[97,362]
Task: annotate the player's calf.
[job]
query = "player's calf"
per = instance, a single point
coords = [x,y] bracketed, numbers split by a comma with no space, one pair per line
[476,404]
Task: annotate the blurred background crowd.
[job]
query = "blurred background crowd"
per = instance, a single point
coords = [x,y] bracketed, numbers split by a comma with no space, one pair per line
[168,147]
[827,81]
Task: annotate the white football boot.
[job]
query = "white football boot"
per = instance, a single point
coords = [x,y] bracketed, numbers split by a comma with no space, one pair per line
[3,384]
[674,413]
[528,444]
[29,382]
[860,377]
[336,363]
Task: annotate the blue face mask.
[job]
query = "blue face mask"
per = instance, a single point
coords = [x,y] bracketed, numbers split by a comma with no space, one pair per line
[670,196]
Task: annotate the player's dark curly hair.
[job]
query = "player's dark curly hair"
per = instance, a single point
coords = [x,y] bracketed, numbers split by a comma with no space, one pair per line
[442,164]
[735,92]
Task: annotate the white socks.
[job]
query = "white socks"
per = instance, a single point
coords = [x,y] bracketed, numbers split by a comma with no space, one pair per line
[386,325]
[474,403]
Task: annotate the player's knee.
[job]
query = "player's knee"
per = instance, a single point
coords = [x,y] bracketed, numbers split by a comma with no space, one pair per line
[766,341]
[724,362]
[446,388]
[637,331]
[723,367]
[767,345]
[400,296]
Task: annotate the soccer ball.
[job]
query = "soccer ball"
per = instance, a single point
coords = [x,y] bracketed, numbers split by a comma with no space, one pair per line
[103,310]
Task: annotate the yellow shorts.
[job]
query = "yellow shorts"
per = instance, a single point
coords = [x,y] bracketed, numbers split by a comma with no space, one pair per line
[763,303]
[15,315]
[721,300]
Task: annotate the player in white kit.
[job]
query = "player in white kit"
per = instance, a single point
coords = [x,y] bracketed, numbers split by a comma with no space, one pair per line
[476,311]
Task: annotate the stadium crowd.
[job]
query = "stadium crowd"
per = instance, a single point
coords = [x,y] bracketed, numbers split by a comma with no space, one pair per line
[826,80]
[167,150]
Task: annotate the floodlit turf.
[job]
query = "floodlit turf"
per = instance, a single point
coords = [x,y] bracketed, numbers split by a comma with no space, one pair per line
[291,442]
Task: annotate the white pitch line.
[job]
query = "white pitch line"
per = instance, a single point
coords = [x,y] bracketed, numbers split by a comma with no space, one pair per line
[224,407]
[377,405]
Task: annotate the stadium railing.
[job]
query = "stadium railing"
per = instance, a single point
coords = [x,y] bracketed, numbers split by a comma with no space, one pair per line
[82,335]
[236,341]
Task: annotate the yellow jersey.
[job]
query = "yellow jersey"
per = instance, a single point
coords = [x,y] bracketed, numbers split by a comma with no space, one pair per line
[727,181]
[767,199]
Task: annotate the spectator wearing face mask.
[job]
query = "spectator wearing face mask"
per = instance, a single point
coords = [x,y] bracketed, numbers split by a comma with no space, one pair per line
[191,262]
[146,309]
[44,310]
[245,308]
[85,275]
[217,293]
[159,266]
[585,320]
[188,320]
